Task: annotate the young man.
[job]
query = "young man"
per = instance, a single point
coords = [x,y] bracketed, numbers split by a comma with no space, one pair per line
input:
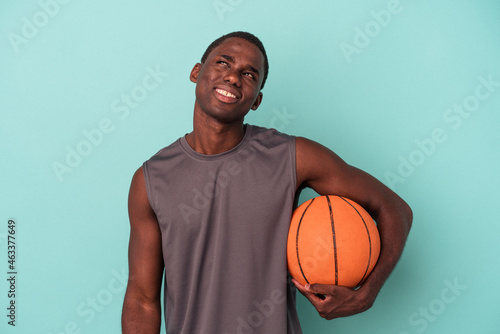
[212,211]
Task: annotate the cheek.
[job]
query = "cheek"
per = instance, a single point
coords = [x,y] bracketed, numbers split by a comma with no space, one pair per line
[254,93]
[207,80]
[203,83]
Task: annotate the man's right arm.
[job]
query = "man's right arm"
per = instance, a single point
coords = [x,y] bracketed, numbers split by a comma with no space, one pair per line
[142,307]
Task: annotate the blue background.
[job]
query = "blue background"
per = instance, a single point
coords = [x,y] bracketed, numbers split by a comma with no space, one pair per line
[379,82]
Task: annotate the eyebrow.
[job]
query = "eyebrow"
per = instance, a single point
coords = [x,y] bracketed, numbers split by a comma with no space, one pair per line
[250,67]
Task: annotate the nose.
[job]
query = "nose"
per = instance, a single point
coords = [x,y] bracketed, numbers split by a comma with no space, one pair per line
[232,77]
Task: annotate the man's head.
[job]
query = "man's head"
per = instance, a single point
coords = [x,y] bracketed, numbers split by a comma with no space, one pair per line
[246,36]
[229,80]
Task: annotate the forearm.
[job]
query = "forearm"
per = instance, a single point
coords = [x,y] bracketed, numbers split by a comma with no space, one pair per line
[394,220]
[139,317]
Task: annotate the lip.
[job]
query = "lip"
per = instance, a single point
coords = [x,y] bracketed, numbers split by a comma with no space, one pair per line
[226,98]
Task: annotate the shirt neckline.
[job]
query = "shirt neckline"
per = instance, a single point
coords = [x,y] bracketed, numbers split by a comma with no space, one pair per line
[211,157]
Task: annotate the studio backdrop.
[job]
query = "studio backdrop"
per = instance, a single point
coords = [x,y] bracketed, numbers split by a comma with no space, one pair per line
[406,90]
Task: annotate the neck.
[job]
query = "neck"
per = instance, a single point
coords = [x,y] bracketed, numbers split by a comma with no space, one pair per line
[210,136]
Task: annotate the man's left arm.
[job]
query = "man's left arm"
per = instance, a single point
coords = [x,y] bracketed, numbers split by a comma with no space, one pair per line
[322,170]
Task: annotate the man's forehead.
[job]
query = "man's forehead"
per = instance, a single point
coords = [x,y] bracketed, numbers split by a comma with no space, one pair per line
[235,46]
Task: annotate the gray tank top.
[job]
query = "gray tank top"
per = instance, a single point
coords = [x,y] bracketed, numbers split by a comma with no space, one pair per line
[224,222]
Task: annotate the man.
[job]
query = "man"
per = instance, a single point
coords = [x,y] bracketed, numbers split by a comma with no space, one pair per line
[212,211]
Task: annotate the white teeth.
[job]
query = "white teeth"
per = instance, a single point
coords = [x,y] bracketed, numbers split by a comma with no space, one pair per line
[225,93]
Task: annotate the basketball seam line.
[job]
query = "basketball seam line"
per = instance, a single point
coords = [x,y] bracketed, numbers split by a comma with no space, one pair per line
[297,240]
[369,240]
[334,241]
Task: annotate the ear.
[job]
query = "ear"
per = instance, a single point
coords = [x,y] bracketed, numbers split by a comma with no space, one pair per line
[194,73]
[257,101]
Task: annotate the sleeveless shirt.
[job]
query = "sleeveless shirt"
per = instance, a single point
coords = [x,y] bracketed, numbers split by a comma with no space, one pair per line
[224,222]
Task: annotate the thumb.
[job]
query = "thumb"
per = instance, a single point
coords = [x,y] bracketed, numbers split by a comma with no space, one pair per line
[320,290]
[328,289]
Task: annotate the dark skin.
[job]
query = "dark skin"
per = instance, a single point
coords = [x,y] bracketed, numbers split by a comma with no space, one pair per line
[227,88]
[218,119]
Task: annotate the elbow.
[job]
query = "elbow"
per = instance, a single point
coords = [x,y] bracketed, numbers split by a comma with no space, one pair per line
[396,210]
[407,217]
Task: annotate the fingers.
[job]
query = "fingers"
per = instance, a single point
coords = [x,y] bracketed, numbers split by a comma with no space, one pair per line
[313,296]
[321,288]
[299,287]
[317,298]
[332,301]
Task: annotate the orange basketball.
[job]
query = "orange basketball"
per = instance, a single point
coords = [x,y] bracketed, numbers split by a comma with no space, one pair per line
[332,240]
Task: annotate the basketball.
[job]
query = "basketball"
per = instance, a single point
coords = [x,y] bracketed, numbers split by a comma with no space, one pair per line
[332,240]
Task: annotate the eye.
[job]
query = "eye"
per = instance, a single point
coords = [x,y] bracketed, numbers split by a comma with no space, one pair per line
[249,75]
[222,62]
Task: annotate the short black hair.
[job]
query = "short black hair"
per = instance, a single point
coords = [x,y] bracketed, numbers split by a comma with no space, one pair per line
[246,36]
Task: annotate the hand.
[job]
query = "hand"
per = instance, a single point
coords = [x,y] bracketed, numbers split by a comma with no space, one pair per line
[332,301]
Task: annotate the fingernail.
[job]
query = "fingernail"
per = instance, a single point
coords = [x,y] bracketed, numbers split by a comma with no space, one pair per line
[308,286]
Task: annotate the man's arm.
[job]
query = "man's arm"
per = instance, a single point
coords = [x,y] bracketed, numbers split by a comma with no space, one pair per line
[141,307]
[326,173]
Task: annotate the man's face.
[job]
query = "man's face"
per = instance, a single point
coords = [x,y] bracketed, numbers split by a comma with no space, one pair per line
[228,82]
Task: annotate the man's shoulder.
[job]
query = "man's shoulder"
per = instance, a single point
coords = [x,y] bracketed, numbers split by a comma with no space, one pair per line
[272,141]
[261,132]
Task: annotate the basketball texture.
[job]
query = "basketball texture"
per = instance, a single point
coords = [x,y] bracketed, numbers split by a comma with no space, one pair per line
[332,240]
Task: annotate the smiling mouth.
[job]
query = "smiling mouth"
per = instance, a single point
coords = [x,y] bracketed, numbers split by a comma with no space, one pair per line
[225,93]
